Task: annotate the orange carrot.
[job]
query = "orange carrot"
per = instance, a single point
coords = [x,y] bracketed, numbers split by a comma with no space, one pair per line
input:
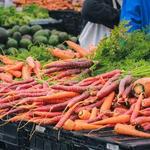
[66,116]
[6,60]
[84,114]
[137,107]
[37,69]
[130,130]
[146,102]
[107,102]
[60,96]
[93,113]
[6,77]
[26,72]
[17,66]
[142,86]
[63,54]
[140,120]
[85,126]
[114,120]
[83,52]
[30,62]
[69,125]
[15,73]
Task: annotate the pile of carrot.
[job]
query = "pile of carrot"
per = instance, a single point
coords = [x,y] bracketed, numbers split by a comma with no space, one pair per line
[74,51]
[11,69]
[57,71]
[106,100]
[67,70]
[54,4]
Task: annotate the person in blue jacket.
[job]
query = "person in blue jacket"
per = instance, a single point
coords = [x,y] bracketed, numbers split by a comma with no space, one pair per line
[137,12]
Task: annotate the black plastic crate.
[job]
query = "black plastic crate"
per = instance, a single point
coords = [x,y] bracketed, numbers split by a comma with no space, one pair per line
[13,139]
[50,139]
[71,20]
[99,140]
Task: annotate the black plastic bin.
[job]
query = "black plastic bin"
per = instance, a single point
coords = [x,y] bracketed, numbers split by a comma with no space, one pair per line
[71,21]
[50,139]
[11,139]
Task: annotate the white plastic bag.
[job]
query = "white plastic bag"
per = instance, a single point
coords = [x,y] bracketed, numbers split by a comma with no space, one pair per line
[92,34]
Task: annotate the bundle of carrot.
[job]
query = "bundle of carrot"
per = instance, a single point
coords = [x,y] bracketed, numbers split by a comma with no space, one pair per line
[70,69]
[18,69]
[106,100]
[75,51]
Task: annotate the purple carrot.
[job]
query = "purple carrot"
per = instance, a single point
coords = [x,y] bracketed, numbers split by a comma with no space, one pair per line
[79,98]
[28,85]
[9,99]
[24,95]
[68,73]
[85,83]
[70,83]
[89,107]
[110,74]
[112,79]
[45,85]
[29,91]
[125,81]
[16,83]
[52,70]
[73,64]
[127,91]
[75,88]
[146,127]
[129,112]
[53,107]
[8,105]
[99,117]
[107,90]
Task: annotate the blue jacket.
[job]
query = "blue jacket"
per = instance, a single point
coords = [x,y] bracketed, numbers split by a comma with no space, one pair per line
[137,12]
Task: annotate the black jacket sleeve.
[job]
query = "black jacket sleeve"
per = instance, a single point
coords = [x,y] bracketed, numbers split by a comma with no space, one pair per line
[98,11]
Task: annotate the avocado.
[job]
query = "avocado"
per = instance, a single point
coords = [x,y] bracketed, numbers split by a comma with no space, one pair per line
[26,36]
[12,43]
[25,43]
[73,39]
[42,33]
[3,35]
[15,28]
[40,39]
[17,36]
[2,46]
[24,29]
[12,51]
[10,32]
[53,40]
[35,28]
[55,32]
[63,36]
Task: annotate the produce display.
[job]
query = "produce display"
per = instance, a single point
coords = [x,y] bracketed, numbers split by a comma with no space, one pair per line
[54,4]
[14,17]
[48,79]
[20,38]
